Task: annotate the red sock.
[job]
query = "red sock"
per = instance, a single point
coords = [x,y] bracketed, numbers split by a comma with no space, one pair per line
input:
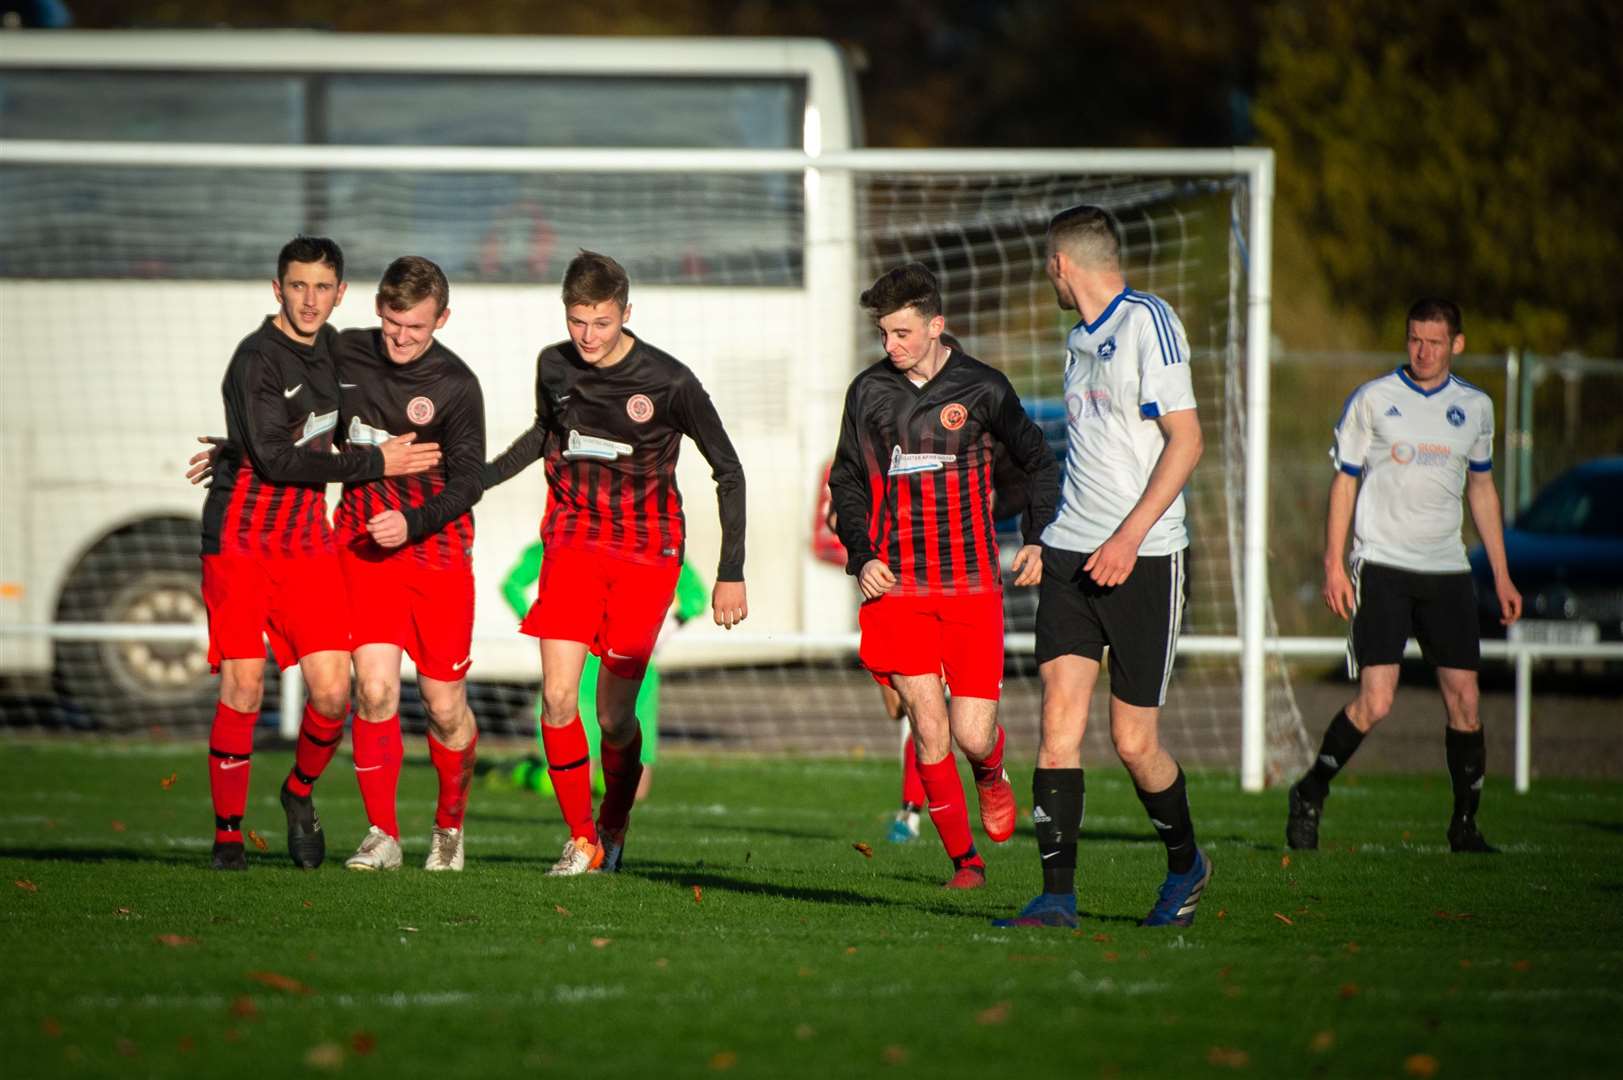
[231,751]
[990,767]
[378,753]
[569,763]
[456,773]
[318,741]
[622,771]
[946,800]
[912,783]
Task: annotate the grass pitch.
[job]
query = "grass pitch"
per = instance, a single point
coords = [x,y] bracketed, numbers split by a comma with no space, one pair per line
[749,936]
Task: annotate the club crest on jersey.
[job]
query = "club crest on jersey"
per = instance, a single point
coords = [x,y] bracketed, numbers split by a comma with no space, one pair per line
[1455,415]
[419,410]
[640,408]
[593,448]
[906,464]
[1107,348]
[954,416]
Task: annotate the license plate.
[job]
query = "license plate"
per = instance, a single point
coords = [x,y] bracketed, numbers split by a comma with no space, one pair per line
[1555,632]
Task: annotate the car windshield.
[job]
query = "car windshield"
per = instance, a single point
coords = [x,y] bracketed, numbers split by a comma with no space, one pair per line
[1578,504]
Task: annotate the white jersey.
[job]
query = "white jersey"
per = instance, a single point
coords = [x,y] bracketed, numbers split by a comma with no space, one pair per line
[1412,447]
[1122,371]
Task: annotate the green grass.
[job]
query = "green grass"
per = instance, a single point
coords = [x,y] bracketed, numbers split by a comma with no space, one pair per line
[798,956]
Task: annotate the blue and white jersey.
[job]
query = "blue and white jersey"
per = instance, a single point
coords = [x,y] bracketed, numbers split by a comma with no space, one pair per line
[1122,371]
[1412,448]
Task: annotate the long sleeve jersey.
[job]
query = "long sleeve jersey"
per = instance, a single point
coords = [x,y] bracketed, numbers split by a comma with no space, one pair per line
[438,397]
[912,478]
[281,413]
[610,438]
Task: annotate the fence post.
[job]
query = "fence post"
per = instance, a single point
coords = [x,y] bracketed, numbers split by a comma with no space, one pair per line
[1513,370]
[1524,720]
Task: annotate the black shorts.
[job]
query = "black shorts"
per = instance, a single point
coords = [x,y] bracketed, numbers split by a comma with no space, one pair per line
[1137,619]
[1437,610]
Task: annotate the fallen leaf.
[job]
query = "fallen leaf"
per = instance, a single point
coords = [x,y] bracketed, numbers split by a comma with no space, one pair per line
[186,1044]
[1406,834]
[1286,919]
[1284,862]
[52,1027]
[867,852]
[1322,1041]
[895,1055]
[408,929]
[804,1031]
[560,909]
[1351,946]
[996,1014]
[1421,1065]
[723,1059]
[850,950]
[1348,990]
[118,826]
[123,911]
[174,941]
[1453,916]
[1101,937]
[1522,965]
[1108,957]
[1227,1057]
[1222,913]
[600,942]
[363,1042]
[169,781]
[327,1055]
[662,963]
[698,895]
[804,973]
[308,905]
[1464,964]
[259,842]
[25,885]
[242,1005]
[285,983]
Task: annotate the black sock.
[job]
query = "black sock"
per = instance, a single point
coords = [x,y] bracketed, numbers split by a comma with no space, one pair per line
[1467,764]
[1169,813]
[1056,810]
[1341,741]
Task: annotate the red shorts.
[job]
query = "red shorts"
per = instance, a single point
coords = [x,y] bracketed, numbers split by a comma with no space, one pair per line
[427,611]
[614,605]
[959,637]
[297,602]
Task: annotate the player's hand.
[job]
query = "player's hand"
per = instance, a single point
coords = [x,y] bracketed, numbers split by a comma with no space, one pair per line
[1115,559]
[1338,591]
[1028,565]
[200,466]
[1510,601]
[387,529]
[404,456]
[729,604]
[876,579]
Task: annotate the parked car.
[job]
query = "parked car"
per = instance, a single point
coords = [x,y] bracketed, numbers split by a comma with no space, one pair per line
[1565,554]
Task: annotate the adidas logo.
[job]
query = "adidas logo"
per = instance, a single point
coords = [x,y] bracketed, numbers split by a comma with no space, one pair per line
[1393,411]
[1039,817]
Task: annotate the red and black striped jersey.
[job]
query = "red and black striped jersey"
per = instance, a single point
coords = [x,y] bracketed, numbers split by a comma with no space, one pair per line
[438,397]
[912,482]
[268,497]
[610,438]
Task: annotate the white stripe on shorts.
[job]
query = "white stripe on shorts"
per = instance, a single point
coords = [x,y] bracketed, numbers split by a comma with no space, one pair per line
[1174,622]
[1358,600]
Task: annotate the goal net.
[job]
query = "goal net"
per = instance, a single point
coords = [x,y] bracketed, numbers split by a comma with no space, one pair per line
[125,286]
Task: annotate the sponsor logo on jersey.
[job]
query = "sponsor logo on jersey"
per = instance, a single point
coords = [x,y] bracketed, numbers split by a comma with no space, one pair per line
[361,434]
[640,408]
[316,426]
[906,464]
[1393,411]
[954,416]
[419,410]
[593,448]
[1087,404]
[1107,348]
[1455,415]
[1426,454]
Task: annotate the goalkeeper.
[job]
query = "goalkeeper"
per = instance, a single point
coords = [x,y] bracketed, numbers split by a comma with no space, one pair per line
[691,600]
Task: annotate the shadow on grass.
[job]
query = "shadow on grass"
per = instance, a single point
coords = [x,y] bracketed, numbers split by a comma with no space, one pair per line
[685,875]
[96,855]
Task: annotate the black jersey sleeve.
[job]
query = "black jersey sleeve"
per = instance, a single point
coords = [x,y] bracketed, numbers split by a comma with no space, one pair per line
[849,492]
[1029,451]
[696,417]
[254,393]
[462,442]
[525,450]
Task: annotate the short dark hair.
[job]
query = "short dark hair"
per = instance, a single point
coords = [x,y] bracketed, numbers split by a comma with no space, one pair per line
[310,249]
[1087,234]
[911,285]
[410,280]
[1436,309]
[593,278]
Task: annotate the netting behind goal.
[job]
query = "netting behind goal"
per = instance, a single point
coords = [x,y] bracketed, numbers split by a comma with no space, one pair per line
[124,290]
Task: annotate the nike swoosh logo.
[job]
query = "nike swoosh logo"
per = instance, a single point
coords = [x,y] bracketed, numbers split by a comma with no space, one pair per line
[347,385]
[464,663]
[294,390]
[367,768]
[618,655]
[938,809]
[1051,854]
[233,764]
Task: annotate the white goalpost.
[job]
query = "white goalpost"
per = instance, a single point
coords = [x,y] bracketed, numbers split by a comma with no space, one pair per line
[745,263]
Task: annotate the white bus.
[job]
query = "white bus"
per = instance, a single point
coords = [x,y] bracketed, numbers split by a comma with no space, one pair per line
[127,275]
